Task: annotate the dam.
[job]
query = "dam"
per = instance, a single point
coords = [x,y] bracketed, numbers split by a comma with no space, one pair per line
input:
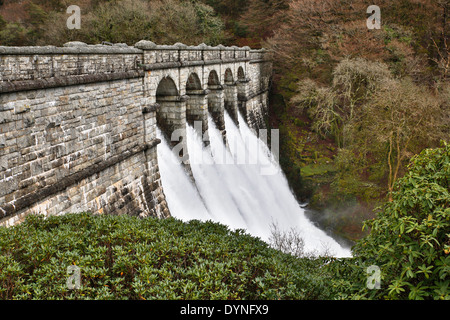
[82,128]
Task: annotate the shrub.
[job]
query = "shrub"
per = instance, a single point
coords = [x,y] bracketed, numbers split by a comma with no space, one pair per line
[162,21]
[356,79]
[320,105]
[12,34]
[410,238]
[122,257]
[288,242]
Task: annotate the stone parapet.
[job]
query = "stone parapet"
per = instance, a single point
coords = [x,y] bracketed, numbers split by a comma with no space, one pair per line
[78,58]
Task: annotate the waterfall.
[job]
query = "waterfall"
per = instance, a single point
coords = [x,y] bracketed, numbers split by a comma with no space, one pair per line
[241,186]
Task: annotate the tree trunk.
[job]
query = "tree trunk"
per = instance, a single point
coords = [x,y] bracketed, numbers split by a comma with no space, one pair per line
[390,167]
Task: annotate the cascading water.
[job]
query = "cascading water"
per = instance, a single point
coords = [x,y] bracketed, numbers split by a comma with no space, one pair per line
[240,186]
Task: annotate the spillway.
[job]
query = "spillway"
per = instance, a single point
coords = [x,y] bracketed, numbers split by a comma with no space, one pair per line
[239,185]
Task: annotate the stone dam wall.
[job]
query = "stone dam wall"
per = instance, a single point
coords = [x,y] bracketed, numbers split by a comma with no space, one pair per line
[78,122]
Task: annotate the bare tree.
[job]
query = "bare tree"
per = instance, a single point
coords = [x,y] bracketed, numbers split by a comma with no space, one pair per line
[287,241]
[291,241]
[443,50]
[302,26]
[406,117]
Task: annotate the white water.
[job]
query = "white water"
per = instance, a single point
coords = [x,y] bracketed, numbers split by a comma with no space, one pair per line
[233,187]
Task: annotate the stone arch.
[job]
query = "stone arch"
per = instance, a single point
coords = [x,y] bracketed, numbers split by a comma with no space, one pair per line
[241,74]
[196,106]
[193,82]
[171,112]
[167,87]
[213,79]
[228,77]
[230,95]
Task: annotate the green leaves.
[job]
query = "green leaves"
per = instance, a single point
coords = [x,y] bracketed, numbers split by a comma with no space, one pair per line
[397,287]
[418,292]
[409,239]
[122,257]
[425,270]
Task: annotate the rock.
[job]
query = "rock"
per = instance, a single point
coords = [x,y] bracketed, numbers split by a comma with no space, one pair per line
[145,44]
[180,45]
[75,44]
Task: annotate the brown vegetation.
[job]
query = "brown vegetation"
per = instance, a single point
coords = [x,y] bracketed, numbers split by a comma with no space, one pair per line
[116,21]
[381,95]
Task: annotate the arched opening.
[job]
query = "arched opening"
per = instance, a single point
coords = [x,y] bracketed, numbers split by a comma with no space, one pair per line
[171,114]
[215,101]
[213,79]
[241,74]
[193,83]
[242,91]
[196,106]
[230,95]
[167,87]
[228,77]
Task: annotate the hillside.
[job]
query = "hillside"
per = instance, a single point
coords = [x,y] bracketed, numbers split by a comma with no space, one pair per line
[332,78]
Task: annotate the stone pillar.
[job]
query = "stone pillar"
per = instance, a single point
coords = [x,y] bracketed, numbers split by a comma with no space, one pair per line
[197,110]
[171,119]
[243,92]
[216,108]
[231,101]
[256,113]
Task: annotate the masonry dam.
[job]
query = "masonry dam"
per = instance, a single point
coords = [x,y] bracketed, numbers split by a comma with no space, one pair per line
[90,128]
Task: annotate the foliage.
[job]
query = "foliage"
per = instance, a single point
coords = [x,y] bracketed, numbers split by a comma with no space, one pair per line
[333,109]
[123,257]
[335,71]
[232,8]
[410,238]
[126,21]
[12,34]
[373,117]
[211,26]
[357,79]
[262,17]
[406,116]
[304,23]
[320,104]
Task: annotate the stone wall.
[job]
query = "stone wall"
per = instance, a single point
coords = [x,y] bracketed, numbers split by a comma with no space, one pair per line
[29,63]
[255,89]
[54,134]
[78,123]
